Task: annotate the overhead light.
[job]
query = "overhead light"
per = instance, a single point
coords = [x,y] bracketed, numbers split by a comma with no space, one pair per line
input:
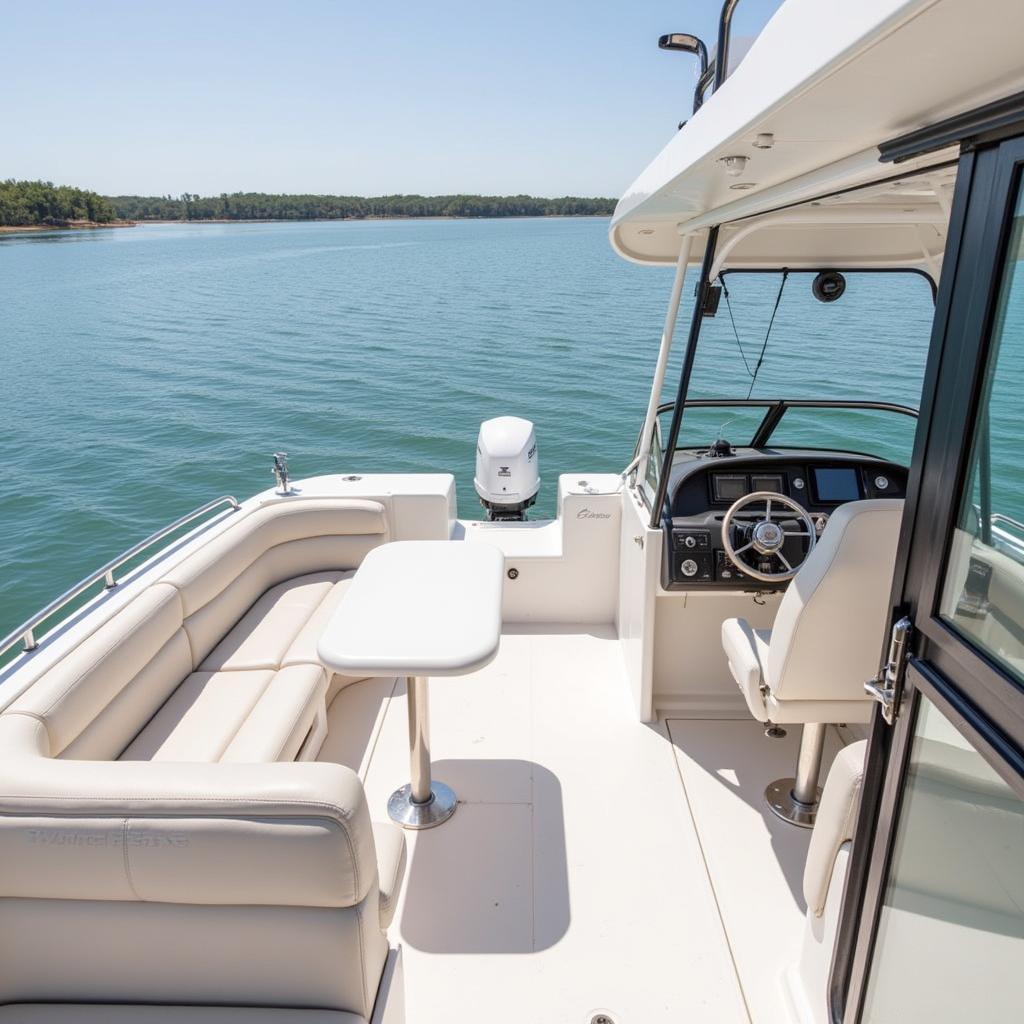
[734,165]
[742,186]
[765,140]
[647,231]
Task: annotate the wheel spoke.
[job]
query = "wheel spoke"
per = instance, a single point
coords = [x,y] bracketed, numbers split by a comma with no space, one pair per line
[795,533]
[768,508]
[784,561]
[739,551]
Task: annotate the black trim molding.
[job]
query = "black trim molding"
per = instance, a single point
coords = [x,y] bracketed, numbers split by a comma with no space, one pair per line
[989,123]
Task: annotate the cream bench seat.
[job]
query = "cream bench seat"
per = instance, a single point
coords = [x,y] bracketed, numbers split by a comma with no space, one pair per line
[159,841]
[217,659]
[260,694]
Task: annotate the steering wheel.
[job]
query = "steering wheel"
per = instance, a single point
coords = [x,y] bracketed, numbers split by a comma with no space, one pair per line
[764,539]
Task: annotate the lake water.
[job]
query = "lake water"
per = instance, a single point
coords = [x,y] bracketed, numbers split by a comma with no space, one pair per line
[149,369]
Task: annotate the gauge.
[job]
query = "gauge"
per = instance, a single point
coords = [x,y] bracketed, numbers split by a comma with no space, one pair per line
[798,482]
[766,482]
[882,482]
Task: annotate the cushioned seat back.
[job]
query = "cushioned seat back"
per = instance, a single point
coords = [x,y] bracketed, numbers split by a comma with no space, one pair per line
[226,577]
[100,695]
[96,698]
[185,883]
[830,625]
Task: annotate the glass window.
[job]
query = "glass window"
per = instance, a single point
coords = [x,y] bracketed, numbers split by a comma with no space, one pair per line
[887,435]
[653,471]
[983,591]
[950,942]
[869,345]
[703,426]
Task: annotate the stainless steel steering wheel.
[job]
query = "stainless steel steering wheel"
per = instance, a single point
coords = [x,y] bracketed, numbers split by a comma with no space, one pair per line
[766,538]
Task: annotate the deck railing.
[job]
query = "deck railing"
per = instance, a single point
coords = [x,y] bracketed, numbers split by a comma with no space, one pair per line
[1008,535]
[26,632]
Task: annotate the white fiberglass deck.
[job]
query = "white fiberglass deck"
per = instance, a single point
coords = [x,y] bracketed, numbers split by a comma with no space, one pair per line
[572,878]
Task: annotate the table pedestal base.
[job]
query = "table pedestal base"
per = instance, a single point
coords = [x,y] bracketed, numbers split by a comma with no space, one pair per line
[423,803]
[409,814]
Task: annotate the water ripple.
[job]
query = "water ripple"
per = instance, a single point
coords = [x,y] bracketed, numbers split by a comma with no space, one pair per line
[154,368]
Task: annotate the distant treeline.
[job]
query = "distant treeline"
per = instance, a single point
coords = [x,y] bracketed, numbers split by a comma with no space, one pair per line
[31,203]
[260,206]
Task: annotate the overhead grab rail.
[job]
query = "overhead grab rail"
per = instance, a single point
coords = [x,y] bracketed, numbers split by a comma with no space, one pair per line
[26,632]
[715,72]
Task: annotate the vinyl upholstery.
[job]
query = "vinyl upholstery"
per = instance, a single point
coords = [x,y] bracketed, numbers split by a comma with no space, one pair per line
[830,626]
[837,817]
[164,834]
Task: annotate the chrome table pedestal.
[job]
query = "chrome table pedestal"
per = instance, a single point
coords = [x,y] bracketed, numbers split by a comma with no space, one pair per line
[422,803]
[418,609]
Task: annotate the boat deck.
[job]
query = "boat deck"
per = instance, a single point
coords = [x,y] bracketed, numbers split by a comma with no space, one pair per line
[594,863]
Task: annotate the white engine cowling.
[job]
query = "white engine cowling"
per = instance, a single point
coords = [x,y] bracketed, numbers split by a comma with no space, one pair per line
[507,467]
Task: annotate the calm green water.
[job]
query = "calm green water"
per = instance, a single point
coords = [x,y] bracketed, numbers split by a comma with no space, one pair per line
[150,369]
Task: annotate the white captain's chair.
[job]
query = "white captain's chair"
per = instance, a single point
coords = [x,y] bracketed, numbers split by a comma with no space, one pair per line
[810,668]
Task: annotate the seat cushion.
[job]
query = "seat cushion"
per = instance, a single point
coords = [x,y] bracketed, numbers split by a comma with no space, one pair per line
[282,628]
[283,716]
[266,633]
[253,716]
[747,652]
[302,649]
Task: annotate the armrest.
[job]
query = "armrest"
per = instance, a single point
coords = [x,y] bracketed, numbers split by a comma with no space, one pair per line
[837,816]
[391,856]
[294,834]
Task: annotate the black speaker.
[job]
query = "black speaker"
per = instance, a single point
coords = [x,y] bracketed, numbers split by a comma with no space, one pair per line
[828,286]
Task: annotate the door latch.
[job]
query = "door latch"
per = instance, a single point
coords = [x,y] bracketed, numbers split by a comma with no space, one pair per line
[887,686]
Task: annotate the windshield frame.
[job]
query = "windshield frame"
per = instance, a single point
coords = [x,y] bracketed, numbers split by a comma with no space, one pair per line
[775,410]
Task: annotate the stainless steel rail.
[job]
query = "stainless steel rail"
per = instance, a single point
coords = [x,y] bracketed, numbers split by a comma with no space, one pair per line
[26,631]
[1003,521]
[1007,535]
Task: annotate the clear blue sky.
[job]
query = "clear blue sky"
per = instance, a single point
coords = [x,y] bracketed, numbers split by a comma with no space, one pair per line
[549,98]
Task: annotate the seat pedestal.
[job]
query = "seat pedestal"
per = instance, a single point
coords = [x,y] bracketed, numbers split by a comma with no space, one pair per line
[796,799]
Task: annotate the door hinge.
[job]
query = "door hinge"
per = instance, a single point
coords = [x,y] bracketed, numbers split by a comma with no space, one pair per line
[887,686]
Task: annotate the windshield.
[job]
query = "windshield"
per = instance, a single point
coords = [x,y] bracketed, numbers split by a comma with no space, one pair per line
[869,345]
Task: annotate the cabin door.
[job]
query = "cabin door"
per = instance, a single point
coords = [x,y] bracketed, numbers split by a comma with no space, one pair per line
[933,923]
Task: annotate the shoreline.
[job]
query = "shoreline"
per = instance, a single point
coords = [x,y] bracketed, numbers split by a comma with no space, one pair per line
[17,229]
[348,220]
[72,225]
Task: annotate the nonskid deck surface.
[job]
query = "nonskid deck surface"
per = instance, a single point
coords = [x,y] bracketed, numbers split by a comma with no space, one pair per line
[572,878]
[755,860]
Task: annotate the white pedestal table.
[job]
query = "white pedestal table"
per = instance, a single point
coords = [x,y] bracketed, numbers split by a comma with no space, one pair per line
[418,609]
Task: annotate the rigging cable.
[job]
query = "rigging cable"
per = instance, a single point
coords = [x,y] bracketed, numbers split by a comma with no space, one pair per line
[767,335]
[736,333]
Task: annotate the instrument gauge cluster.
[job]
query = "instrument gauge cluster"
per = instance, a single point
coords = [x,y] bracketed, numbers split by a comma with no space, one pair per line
[703,491]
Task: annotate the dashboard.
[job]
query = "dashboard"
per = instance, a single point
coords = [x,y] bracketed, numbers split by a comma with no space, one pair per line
[702,488]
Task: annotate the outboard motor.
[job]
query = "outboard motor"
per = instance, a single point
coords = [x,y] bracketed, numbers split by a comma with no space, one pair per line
[507,471]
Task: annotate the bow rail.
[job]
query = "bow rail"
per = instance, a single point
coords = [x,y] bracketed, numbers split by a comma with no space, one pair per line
[26,632]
